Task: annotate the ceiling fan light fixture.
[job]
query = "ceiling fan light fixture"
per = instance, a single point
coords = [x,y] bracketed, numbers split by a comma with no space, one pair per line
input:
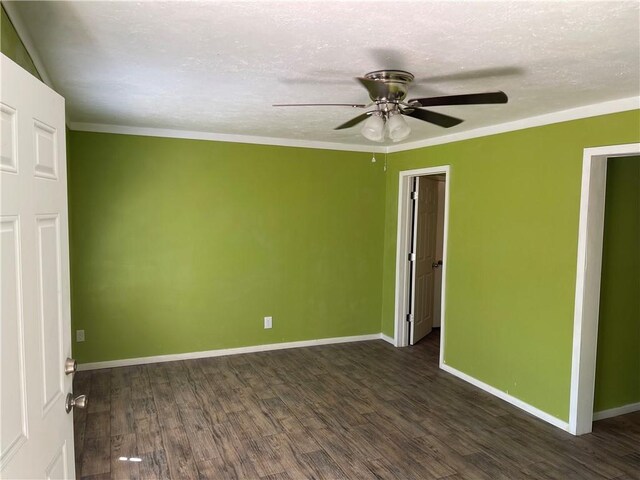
[397,127]
[373,128]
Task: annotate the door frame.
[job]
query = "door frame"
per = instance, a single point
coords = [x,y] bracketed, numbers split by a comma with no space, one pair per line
[402,251]
[588,276]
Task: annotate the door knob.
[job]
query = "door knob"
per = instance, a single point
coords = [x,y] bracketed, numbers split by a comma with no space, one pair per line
[70,366]
[437,264]
[80,402]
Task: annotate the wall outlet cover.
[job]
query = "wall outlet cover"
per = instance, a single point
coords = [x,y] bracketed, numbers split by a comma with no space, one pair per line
[268,322]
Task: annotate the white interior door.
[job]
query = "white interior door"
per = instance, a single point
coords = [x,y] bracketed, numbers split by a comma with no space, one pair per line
[425,257]
[36,437]
[437,295]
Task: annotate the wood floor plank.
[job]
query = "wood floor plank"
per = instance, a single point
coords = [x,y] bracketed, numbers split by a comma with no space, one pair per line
[125,457]
[122,417]
[323,465]
[362,410]
[179,454]
[437,448]
[97,424]
[141,386]
[102,476]
[263,457]
[96,457]
[343,452]
[290,456]
[154,466]
[148,436]
[202,442]
[143,407]
[100,391]
[216,468]
[237,461]
[278,476]
[157,373]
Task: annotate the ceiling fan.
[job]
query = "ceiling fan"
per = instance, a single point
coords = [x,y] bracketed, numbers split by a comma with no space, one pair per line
[387,90]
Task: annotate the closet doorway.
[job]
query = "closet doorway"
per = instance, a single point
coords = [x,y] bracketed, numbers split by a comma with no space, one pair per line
[421,254]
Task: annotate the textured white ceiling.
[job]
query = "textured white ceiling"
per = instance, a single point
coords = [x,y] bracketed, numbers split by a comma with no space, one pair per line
[218,66]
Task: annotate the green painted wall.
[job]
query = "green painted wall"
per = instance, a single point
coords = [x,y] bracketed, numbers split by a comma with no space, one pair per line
[512,250]
[183,245]
[618,360]
[12,46]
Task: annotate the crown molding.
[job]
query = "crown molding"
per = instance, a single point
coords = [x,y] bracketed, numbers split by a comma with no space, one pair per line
[221,137]
[604,108]
[614,106]
[24,36]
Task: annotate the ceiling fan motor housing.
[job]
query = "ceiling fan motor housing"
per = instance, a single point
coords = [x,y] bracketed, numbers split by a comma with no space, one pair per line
[396,84]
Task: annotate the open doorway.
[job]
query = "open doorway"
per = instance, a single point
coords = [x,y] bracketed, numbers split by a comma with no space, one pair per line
[421,255]
[617,381]
[588,282]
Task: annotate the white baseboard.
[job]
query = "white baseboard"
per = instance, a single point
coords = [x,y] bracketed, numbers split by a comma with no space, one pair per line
[225,351]
[388,339]
[536,412]
[614,412]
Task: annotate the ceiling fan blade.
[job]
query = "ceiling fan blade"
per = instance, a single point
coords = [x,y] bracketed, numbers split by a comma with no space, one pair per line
[466,99]
[354,105]
[436,118]
[375,88]
[353,121]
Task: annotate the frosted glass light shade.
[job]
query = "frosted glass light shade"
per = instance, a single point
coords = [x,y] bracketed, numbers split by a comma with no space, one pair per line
[373,128]
[398,127]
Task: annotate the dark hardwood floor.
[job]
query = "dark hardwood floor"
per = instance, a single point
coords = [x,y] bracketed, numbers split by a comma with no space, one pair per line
[360,410]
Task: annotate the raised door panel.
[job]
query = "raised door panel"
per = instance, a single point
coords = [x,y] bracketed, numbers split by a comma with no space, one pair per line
[13,383]
[8,139]
[58,468]
[45,141]
[50,315]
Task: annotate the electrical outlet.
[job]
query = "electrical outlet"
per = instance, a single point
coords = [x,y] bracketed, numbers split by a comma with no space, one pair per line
[268,322]
[79,335]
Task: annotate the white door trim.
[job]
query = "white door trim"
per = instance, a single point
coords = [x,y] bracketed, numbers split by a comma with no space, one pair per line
[402,250]
[587,297]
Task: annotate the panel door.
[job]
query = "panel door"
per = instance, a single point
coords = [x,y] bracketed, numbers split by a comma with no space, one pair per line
[426,234]
[36,437]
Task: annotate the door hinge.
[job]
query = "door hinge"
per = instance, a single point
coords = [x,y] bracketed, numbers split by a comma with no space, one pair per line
[409,318]
[412,257]
[414,195]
